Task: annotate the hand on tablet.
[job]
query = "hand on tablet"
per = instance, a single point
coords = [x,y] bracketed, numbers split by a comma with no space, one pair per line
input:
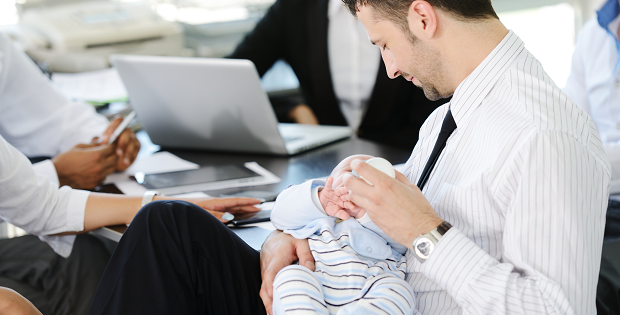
[218,207]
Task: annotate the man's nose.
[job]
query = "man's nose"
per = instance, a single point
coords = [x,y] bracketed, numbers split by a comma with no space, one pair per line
[390,66]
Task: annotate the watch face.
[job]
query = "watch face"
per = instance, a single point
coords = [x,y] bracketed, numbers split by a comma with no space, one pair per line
[423,248]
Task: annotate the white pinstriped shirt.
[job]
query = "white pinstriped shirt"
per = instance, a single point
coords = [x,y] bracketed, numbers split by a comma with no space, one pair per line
[524,180]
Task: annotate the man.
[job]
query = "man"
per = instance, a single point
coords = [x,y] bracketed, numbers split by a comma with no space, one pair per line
[341,75]
[510,217]
[39,121]
[594,84]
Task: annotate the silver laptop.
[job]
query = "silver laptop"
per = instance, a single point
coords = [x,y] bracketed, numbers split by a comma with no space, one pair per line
[212,104]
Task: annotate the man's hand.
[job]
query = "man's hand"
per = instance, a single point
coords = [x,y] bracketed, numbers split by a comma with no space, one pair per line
[280,250]
[85,166]
[344,167]
[127,145]
[397,206]
[303,114]
[12,303]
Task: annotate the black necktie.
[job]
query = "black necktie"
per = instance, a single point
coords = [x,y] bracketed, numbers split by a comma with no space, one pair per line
[446,130]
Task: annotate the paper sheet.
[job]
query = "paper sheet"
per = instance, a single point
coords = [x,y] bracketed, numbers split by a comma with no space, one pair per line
[160,162]
[101,86]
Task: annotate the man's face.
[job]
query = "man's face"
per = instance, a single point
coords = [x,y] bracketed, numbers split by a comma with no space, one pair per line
[405,55]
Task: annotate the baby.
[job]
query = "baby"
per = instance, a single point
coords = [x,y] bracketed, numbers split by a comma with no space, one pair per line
[359,269]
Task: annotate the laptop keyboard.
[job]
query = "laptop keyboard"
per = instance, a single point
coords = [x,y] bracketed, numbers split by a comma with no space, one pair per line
[290,139]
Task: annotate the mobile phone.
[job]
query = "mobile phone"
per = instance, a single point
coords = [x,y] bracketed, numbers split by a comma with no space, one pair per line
[119,129]
[249,218]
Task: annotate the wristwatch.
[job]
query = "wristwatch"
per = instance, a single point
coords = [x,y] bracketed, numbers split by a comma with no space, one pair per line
[148,196]
[424,245]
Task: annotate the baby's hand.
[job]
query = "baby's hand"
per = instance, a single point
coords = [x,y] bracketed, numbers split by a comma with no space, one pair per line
[332,202]
[337,202]
[351,208]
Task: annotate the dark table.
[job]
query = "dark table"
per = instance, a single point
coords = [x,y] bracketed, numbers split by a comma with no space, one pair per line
[294,169]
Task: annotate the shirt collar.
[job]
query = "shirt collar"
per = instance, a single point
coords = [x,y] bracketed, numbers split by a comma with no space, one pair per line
[608,13]
[470,93]
[606,16]
[334,7]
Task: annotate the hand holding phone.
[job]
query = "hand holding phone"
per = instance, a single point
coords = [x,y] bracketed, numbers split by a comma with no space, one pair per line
[117,132]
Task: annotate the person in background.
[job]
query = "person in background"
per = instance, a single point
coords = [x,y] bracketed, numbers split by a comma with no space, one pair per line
[594,84]
[39,121]
[341,75]
[30,201]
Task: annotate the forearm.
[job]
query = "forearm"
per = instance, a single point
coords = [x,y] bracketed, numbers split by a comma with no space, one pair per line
[109,209]
[294,207]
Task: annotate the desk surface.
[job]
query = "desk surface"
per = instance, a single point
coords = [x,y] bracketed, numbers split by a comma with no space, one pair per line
[294,169]
[297,168]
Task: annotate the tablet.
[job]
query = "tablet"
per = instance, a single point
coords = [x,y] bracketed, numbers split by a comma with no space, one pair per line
[249,218]
[199,179]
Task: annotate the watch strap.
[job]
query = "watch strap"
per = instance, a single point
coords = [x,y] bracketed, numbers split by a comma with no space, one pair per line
[148,196]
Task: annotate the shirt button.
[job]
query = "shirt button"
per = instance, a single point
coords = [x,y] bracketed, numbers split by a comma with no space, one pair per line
[369,249]
[617,84]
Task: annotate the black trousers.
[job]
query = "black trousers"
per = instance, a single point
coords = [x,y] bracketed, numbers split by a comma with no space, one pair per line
[608,290]
[176,258]
[55,285]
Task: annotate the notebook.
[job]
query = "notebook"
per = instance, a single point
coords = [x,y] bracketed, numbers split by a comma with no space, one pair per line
[212,104]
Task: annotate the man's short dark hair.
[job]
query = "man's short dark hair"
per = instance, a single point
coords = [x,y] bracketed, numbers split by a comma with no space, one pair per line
[397,10]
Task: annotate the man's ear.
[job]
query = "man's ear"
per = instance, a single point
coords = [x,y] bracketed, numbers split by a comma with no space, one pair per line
[422,19]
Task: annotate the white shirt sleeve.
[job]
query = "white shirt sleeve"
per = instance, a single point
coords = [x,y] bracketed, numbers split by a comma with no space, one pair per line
[35,204]
[46,168]
[36,119]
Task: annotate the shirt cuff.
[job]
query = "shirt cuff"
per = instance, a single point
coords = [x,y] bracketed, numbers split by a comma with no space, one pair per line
[455,262]
[76,209]
[47,168]
[63,244]
[315,198]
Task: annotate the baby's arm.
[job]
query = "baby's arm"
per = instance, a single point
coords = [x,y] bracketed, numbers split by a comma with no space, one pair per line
[295,207]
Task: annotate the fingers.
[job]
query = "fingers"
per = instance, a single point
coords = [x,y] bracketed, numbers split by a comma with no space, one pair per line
[329,183]
[108,132]
[127,149]
[343,215]
[220,204]
[403,179]
[267,299]
[242,209]
[367,171]
[304,254]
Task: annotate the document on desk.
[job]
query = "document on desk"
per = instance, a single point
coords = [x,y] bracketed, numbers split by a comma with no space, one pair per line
[163,162]
[97,87]
[159,162]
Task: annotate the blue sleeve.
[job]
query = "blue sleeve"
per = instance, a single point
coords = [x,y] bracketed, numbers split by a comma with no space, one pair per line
[294,207]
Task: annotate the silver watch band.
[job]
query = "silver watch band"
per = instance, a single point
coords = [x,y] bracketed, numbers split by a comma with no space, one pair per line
[425,244]
[148,196]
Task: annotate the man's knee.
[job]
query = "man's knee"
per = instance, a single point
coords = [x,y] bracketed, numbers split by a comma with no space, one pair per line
[13,303]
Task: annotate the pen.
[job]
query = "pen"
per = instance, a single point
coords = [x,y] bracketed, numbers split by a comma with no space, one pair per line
[117,132]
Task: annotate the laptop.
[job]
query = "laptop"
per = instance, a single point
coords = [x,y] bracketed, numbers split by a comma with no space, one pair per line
[212,104]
